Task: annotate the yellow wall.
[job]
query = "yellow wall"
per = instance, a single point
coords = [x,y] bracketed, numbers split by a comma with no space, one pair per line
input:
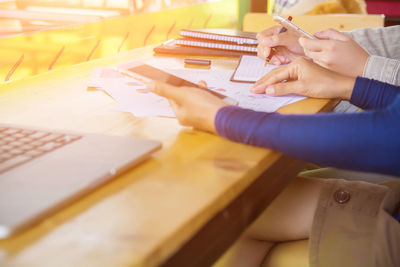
[75,43]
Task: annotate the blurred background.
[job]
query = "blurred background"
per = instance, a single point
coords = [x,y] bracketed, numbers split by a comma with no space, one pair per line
[40,35]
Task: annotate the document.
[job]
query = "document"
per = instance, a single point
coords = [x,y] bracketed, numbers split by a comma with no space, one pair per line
[250,69]
[131,95]
[100,75]
[218,80]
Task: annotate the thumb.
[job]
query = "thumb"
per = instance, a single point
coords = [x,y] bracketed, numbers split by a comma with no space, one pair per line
[331,34]
[202,84]
[312,45]
[281,89]
[166,90]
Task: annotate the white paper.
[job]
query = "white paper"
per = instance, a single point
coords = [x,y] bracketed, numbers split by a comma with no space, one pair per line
[131,95]
[218,80]
[251,69]
[99,75]
[134,98]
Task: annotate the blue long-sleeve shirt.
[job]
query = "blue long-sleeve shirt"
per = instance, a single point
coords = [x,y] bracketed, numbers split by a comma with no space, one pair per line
[363,141]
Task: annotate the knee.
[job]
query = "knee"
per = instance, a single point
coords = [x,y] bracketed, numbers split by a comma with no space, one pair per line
[288,254]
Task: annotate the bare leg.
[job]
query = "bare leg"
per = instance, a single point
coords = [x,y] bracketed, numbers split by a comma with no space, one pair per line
[288,218]
[288,254]
[290,215]
[245,252]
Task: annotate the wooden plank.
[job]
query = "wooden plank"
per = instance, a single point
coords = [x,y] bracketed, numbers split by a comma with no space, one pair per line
[147,214]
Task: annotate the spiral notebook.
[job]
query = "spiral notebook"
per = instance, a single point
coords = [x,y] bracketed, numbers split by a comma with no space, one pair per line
[222,35]
[217,45]
[170,47]
[211,42]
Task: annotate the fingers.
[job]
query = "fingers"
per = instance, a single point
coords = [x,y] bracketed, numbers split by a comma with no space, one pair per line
[263,52]
[285,88]
[202,84]
[169,91]
[312,45]
[313,55]
[260,52]
[275,76]
[317,57]
[324,57]
[268,32]
[323,52]
[174,106]
[278,60]
[179,112]
[268,54]
[279,39]
[331,34]
[272,37]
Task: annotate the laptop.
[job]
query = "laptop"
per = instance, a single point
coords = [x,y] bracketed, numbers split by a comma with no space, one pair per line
[42,170]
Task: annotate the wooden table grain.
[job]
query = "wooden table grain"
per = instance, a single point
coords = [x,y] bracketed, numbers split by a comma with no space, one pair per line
[182,207]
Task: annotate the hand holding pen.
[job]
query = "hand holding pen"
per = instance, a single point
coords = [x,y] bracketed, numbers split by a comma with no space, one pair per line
[330,48]
[273,49]
[281,46]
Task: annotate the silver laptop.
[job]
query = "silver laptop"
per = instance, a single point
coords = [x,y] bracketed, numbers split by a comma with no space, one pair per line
[42,170]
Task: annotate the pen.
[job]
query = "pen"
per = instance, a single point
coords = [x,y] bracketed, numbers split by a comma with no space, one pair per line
[197,61]
[283,29]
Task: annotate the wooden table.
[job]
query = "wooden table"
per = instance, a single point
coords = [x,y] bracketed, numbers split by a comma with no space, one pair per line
[183,207]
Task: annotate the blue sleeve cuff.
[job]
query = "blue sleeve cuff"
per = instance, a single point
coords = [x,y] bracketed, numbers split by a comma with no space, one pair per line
[358,95]
[246,126]
[371,94]
[222,119]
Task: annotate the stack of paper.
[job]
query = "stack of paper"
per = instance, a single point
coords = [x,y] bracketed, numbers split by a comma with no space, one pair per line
[133,97]
[218,80]
[130,94]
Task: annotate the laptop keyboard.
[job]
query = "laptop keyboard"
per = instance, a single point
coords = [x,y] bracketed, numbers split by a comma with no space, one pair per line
[19,145]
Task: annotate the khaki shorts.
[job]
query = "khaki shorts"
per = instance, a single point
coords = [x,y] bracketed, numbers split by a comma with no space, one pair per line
[353,225]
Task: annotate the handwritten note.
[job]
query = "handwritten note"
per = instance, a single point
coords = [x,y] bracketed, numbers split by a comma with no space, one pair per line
[250,69]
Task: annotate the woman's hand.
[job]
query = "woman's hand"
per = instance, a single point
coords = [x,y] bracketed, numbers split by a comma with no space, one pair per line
[336,51]
[283,47]
[303,77]
[192,106]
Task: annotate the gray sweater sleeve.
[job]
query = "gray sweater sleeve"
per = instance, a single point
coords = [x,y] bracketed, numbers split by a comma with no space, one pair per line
[383,45]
